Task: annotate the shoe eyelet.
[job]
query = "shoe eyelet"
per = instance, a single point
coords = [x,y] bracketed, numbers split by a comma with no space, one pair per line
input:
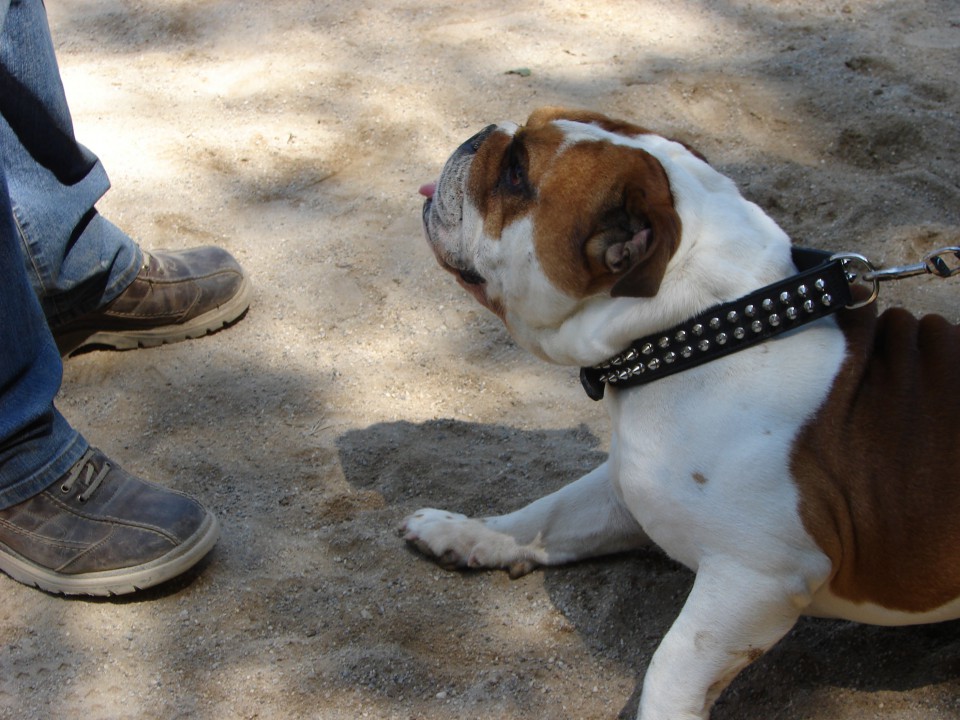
[64,489]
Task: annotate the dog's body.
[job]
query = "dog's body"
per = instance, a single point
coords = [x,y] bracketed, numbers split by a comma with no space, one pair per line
[816,473]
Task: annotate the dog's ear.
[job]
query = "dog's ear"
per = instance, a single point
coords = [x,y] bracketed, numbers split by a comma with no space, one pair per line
[640,259]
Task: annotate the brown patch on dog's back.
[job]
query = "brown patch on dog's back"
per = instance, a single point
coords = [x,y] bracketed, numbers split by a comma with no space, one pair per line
[878,467]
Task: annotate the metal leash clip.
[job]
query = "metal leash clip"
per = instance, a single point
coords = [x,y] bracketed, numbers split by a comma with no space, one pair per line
[944,263]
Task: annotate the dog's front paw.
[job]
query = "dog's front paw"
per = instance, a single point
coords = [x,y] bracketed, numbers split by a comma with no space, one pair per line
[455,540]
[442,535]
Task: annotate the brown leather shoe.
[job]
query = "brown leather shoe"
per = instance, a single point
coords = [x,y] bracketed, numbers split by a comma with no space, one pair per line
[101,531]
[177,295]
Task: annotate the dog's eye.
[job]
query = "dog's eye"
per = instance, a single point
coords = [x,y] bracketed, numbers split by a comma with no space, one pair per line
[515,176]
[514,180]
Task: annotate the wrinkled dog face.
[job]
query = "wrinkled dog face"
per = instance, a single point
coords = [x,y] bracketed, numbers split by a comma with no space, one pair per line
[538,221]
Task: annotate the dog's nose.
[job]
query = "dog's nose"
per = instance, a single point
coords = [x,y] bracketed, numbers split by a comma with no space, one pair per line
[474,143]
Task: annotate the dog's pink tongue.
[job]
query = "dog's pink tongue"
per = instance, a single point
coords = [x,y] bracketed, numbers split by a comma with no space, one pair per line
[428,190]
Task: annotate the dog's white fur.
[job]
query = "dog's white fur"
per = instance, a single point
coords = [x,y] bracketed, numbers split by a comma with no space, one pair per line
[699,462]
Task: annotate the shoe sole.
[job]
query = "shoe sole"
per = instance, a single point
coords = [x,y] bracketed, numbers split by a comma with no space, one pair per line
[115,582]
[202,325]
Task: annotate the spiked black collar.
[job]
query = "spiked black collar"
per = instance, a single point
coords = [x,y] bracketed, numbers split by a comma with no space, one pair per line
[819,288]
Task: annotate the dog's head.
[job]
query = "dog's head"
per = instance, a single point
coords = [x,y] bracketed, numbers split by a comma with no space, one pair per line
[551,224]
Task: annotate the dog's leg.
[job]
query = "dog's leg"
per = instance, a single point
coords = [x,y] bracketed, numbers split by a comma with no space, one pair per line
[583,519]
[732,616]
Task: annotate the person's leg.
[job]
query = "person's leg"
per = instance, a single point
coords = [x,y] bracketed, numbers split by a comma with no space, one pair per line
[76,260]
[37,446]
[95,285]
[71,520]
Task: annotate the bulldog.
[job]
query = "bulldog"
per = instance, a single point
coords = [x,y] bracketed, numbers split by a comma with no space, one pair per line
[814,470]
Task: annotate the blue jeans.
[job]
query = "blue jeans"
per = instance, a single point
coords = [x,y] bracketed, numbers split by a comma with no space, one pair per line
[58,257]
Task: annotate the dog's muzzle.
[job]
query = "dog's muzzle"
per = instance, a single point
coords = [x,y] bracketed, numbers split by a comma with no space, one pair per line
[454,169]
[443,206]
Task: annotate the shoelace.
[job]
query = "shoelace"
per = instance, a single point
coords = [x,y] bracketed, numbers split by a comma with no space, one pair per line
[85,464]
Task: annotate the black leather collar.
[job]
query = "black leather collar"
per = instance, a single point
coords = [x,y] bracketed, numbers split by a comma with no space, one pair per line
[820,288]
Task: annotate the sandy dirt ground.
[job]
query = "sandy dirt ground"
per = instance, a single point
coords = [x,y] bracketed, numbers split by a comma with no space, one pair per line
[363,383]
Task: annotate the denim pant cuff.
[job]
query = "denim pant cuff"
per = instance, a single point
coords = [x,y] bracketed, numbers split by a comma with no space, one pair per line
[47,468]
[115,261]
